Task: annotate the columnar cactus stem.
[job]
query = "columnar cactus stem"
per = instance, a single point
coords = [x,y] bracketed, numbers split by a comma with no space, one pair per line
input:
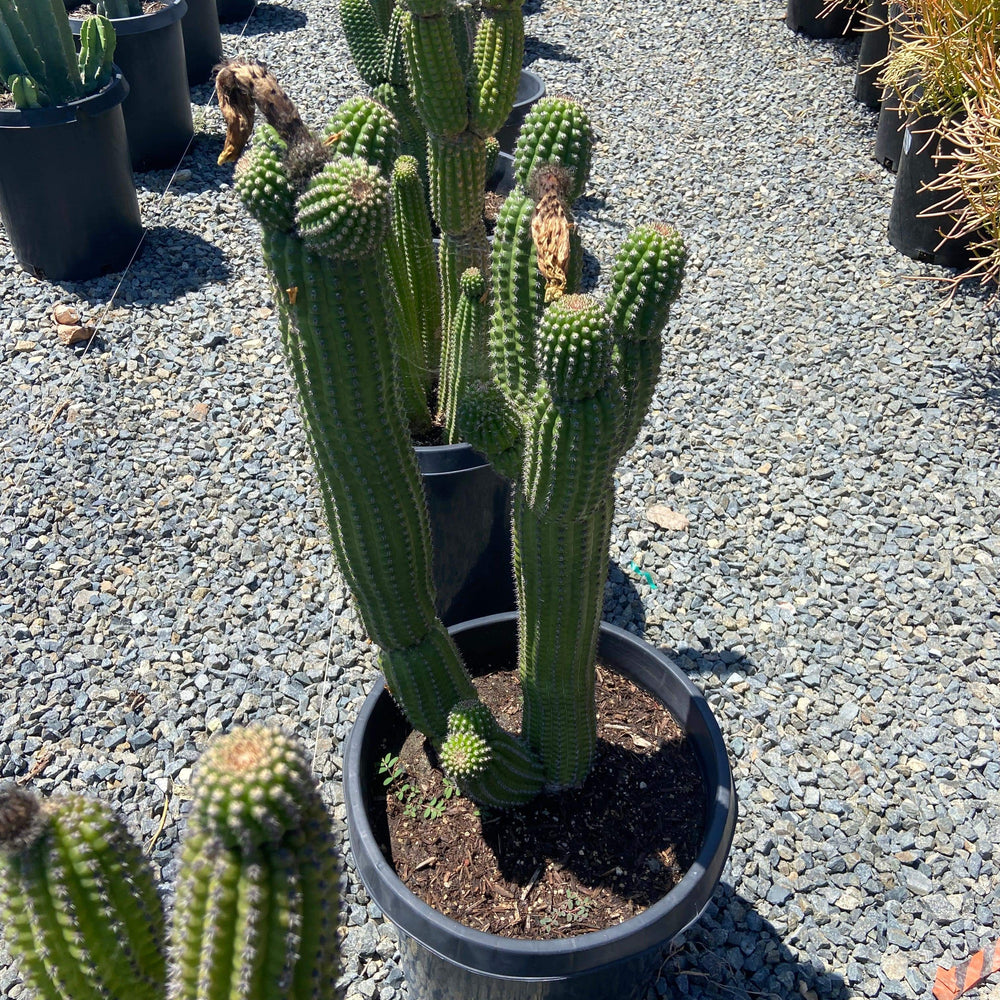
[463,95]
[256,910]
[78,904]
[457,364]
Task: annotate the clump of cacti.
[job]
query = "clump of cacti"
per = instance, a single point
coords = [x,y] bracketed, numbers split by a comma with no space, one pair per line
[449,74]
[256,904]
[39,63]
[573,379]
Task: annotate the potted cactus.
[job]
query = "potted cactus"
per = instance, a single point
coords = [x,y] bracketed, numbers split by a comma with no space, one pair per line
[83,916]
[567,388]
[67,200]
[150,52]
[934,67]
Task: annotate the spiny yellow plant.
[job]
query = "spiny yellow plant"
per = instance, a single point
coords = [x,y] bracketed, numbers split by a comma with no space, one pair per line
[937,47]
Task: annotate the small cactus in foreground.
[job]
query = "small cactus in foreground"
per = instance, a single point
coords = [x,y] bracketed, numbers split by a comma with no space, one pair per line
[256,910]
[78,903]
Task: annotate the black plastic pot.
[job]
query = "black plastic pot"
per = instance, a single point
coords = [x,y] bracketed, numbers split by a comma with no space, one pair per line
[925,157]
[202,40]
[67,199]
[874,46]
[150,51]
[807,18]
[469,507]
[530,88]
[442,959]
[235,10]
[889,133]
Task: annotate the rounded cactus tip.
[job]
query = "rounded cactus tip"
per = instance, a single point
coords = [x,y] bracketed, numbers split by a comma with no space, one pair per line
[20,818]
[472,283]
[574,348]
[251,786]
[344,211]
[466,749]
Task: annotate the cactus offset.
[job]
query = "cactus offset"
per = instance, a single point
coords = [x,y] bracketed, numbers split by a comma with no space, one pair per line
[79,907]
[38,58]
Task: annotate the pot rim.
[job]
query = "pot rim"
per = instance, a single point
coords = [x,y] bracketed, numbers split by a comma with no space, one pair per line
[572,954]
[109,96]
[174,11]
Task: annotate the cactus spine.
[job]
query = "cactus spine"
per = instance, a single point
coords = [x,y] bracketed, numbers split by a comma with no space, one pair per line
[79,907]
[38,58]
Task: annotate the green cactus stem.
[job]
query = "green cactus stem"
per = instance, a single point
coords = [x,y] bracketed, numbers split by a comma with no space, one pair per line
[256,909]
[461,360]
[79,907]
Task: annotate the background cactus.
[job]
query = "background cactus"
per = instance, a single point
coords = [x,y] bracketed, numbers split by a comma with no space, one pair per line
[39,64]
[119,8]
[256,908]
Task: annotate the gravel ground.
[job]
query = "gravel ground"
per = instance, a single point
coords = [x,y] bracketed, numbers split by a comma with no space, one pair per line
[827,427]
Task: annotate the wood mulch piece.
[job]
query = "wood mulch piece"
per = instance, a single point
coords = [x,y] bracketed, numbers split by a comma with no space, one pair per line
[567,863]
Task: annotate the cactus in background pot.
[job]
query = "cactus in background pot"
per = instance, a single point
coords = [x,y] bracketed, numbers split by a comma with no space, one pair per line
[256,910]
[574,379]
[119,8]
[39,63]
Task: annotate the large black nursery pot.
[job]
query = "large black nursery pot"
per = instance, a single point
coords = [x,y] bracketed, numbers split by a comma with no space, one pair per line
[469,505]
[150,51]
[202,40]
[530,88]
[925,157]
[874,46]
[442,959]
[808,18]
[67,199]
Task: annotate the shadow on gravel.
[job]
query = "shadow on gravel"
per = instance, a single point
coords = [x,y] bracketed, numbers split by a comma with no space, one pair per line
[268,19]
[622,603]
[172,261]
[534,49]
[735,954]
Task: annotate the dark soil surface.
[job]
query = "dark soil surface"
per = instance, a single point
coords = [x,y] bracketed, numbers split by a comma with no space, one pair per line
[567,863]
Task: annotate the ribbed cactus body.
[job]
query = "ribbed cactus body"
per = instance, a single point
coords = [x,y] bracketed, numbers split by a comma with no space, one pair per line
[497,56]
[256,909]
[518,299]
[363,127]
[366,36]
[437,77]
[559,131]
[78,905]
[463,360]
[457,169]
[491,425]
[97,47]
[646,280]
[262,182]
